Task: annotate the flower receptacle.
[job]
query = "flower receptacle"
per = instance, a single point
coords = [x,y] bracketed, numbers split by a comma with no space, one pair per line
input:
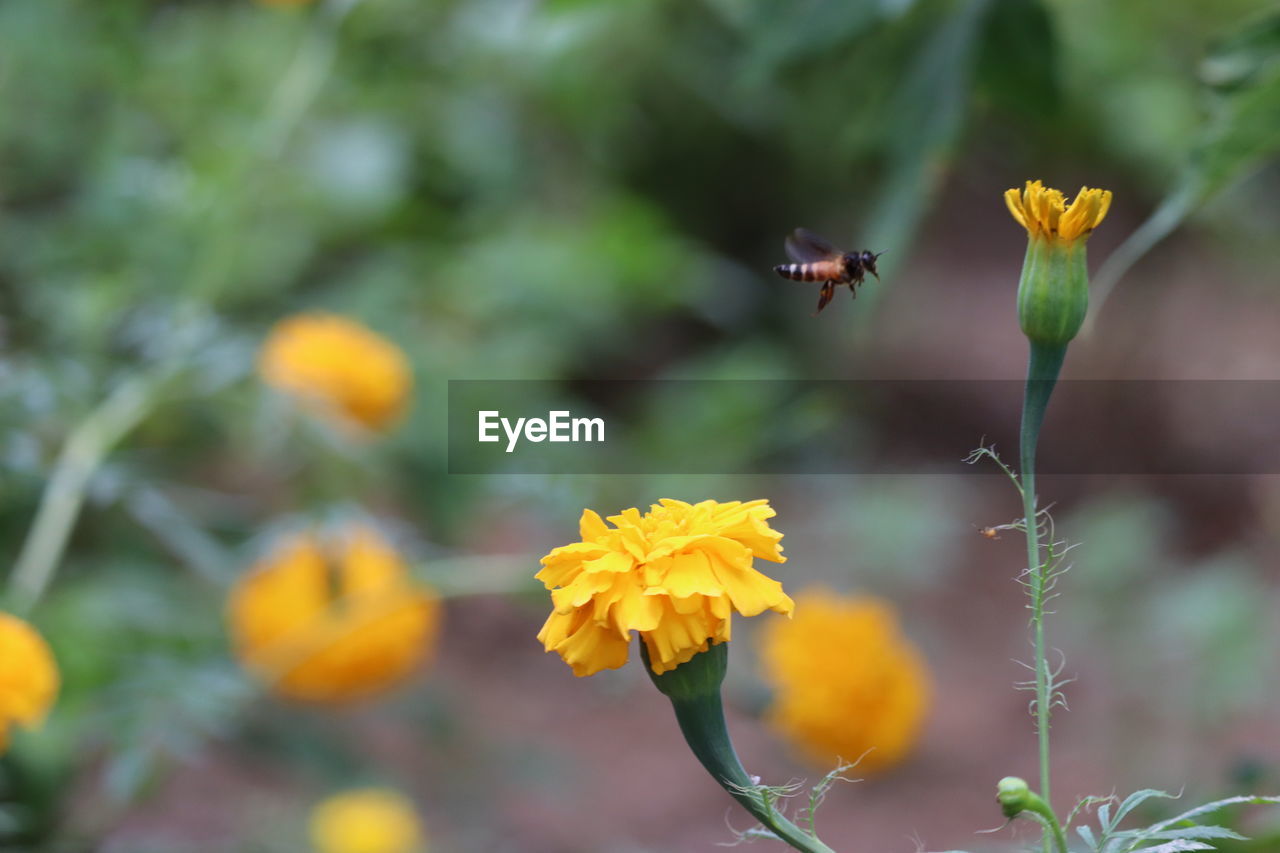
[696,678]
[1053,292]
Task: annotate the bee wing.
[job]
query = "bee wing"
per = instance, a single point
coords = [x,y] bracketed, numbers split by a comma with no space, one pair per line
[803,247]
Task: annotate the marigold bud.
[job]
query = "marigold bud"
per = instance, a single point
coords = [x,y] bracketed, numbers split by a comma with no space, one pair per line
[1014,796]
[1053,292]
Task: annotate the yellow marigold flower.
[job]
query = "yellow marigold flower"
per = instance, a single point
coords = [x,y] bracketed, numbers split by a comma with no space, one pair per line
[331,619]
[367,820]
[674,574]
[28,677]
[1044,212]
[848,683]
[338,367]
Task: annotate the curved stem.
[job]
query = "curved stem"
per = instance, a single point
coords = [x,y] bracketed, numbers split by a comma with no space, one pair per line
[702,722]
[60,503]
[1042,375]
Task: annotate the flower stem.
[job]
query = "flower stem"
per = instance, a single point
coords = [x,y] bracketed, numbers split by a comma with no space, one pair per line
[694,691]
[60,503]
[1042,373]
[702,723]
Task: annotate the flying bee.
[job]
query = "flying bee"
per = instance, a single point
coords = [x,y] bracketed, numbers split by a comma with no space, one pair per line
[816,260]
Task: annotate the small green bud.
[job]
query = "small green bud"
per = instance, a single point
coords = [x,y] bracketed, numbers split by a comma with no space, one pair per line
[697,678]
[1014,796]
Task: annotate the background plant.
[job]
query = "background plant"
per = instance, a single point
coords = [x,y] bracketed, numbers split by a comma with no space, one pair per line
[530,190]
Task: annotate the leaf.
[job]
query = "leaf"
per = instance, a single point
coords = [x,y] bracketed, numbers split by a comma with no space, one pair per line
[1018,62]
[934,99]
[1196,831]
[1209,808]
[1136,799]
[1242,131]
[1087,834]
[1177,846]
[1240,58]
[784,31]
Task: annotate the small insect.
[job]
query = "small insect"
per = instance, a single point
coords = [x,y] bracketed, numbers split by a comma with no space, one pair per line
[989,533]
[816,260]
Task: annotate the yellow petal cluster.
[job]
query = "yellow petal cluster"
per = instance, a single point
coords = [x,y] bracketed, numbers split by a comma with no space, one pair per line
[332,618]
[366,820]
[337,367]
[28,677]
[847,683]
[675,575]
[1044,213]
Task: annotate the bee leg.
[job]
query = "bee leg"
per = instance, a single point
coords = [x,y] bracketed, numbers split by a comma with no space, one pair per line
[824,297]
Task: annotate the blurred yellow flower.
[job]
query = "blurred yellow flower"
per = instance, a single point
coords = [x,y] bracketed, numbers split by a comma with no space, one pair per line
[332,619]
[367,820]
[337,367]
[848,683]
[674,574]
[28,677]
[1044,212]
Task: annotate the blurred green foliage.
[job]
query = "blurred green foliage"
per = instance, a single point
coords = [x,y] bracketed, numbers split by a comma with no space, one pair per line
[563,190]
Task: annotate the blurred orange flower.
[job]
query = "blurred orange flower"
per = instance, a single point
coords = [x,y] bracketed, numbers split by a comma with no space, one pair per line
[339,368]
[332,619]
[366,820]
[28,677]
[848,684]
[675,574]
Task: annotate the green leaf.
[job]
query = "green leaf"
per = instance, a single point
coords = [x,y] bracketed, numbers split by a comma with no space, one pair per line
[1178,846]
[934,100]
[1198,832]
[1136,799]
[1018,62]
[1216,805]
[1243,80]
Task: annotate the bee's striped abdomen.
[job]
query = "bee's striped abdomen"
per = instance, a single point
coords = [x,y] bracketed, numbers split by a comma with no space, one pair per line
[818,271]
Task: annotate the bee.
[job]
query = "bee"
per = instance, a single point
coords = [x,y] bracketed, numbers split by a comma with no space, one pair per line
[816,260]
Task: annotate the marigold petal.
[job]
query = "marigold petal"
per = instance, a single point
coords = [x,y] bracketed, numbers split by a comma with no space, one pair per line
[591,526]
[636,611]
[690,574]
[592,647]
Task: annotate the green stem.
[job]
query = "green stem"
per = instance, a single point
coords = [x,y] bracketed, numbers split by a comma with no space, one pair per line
[694,691]
[60,503]
[702,723]
[1042,373]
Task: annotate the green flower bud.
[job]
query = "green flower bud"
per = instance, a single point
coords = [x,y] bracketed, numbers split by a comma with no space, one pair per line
[1053,293]
[1013,795]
